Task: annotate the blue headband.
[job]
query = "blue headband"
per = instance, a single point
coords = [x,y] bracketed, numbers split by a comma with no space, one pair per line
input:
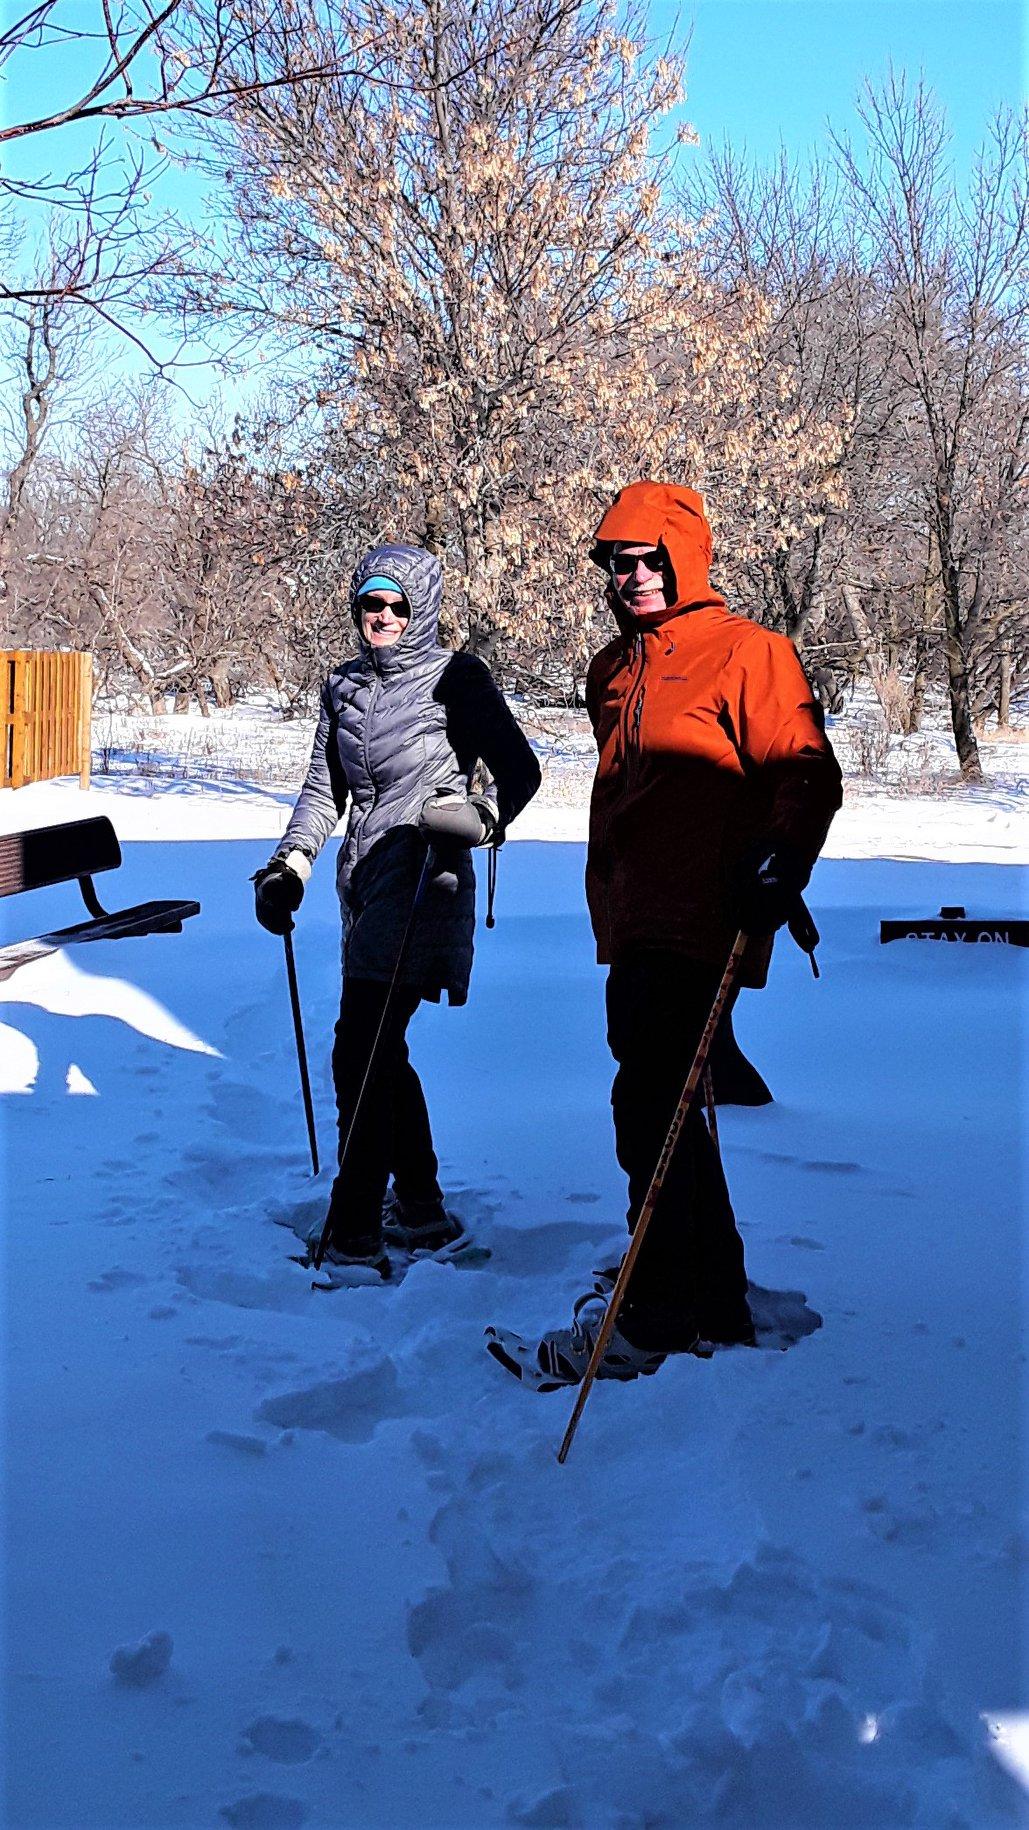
[379,583]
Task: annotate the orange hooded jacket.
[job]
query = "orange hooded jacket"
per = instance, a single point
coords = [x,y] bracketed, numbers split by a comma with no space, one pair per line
[712,751]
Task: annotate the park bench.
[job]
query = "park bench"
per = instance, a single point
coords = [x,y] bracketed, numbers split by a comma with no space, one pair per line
[78,849]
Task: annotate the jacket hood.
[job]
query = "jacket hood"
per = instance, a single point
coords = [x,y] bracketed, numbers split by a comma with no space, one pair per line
[667,515]
[419,576]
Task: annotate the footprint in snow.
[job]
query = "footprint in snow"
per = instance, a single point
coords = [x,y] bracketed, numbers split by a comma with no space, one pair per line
[553,1810]
[913,1524]
[116,1279]
[288,1740]
[525,1251]
[205,1175]
[236,1439]
[143,1663]
[479,1627]
[891,1436]
[801,1240]
[781,1317]
[827,1165]
[243,1290]
[247,1113]
[265,1811]
[350,1408]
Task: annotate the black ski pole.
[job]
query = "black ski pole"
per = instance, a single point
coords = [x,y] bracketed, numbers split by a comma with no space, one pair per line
[298,1029]
[423,879]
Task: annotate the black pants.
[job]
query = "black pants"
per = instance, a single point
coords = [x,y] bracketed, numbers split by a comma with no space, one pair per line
[690,1266]
[392,1135]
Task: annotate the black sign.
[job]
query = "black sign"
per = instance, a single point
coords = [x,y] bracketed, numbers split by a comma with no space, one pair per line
[1011,930]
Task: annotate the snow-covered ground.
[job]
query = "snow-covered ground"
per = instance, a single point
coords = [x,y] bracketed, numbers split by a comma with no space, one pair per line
[770,1590]
[235,775]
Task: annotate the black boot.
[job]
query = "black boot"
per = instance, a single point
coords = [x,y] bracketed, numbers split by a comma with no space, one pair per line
[419,1226]
[349,1250]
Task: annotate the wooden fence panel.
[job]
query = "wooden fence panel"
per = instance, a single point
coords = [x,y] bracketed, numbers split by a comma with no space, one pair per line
[46,716]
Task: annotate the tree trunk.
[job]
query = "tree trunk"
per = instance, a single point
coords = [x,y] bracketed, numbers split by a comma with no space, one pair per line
[133,657]
[812,598]
[867,642]
[435,536]
[220,686]
[916,709]
[957,669]
[35,406]
[482,556]
[1004,673]
[961,708]
[894,645]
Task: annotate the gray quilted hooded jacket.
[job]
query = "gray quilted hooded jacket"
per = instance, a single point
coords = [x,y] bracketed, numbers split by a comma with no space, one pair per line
[397,725]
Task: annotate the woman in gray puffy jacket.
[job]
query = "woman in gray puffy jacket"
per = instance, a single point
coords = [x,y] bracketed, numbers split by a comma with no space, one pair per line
[400,732]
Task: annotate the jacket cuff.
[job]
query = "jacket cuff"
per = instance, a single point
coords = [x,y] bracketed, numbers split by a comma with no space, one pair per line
[296,861]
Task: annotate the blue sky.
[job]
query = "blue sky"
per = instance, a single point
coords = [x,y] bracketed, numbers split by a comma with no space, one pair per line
[765,70]
[759,70]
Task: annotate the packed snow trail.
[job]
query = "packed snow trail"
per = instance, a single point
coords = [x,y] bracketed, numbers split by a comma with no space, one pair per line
[768,1589]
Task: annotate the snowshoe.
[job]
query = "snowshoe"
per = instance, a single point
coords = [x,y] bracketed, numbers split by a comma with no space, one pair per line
[427,1229]
[697,1330]
[561,1357]
[419,1226]
[365,1261]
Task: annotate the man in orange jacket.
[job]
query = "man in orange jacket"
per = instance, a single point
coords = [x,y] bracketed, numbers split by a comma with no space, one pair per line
[714,791]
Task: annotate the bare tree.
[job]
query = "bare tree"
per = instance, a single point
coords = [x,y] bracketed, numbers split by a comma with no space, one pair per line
[479,249]
[782,452]
[39,372]
[954,272]
[161,57]
[154,60]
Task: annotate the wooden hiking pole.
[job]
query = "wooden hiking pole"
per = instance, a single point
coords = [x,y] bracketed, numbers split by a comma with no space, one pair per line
[617,1296]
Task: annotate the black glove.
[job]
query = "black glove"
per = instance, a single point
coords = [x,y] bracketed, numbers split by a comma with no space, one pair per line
[278,893]
[449,819]
[770,892]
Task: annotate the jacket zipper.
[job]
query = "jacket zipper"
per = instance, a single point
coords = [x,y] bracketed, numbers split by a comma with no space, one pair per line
[634,711]
[629,723]
[373,695]
[637,717]
[628,702]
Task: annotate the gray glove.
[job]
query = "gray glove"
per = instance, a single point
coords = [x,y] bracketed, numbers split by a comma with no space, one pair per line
[449,819]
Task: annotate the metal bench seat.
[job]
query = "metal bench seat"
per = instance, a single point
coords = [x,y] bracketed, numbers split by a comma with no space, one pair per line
[78,849]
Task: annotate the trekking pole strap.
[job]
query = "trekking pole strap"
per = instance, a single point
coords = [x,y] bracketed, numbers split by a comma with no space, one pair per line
[711,1104]
[802,929]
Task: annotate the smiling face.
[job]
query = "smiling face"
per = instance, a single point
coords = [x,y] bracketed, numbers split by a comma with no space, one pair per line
[638,574]
[384,617]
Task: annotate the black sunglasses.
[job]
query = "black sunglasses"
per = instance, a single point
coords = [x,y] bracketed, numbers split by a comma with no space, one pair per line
[377,606]
[622,564]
